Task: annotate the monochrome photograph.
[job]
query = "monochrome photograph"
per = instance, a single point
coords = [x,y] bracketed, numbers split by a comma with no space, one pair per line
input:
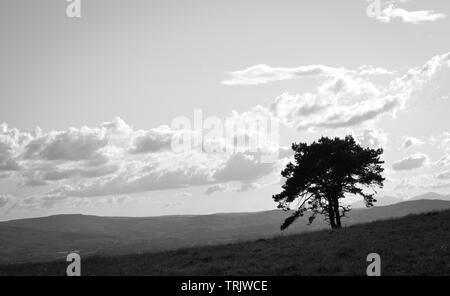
[210,139]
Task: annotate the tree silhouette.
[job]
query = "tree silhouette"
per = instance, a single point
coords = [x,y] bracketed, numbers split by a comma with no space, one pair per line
[324,173]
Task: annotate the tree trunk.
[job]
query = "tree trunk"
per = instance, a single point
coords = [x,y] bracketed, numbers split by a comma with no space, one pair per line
[336,212]
[331,215]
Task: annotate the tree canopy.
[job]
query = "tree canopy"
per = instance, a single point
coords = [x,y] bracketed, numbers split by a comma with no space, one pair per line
[326,171]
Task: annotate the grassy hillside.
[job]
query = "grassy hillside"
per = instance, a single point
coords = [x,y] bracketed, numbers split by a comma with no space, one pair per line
[413,245]
[49,238]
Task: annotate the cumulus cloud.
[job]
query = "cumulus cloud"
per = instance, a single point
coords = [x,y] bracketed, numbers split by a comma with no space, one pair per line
[11,141]
[116,159]
[71,145]
[411,162]
[347,116]
[240,167]
[154,140]
[352,100]
[372,138]
[132,181]
[391,12]
[77,153]
[345,97]
[290,107]
[409,142]
[136,163]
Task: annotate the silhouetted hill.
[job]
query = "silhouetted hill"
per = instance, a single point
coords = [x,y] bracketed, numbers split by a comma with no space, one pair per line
[412,245]
[390,200]
[432,195]
[49,238]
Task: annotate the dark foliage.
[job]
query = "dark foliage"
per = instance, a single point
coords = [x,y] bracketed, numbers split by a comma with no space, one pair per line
[325,172]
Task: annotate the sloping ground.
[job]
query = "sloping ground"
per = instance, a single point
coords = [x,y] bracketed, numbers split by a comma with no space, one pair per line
[50,238]
[413,245]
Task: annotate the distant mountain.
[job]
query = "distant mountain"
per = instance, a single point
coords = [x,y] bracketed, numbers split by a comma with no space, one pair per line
[50,238]
[432,195]
[391,200]
[381,201]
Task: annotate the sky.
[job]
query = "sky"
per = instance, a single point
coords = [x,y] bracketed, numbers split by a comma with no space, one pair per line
[88,105]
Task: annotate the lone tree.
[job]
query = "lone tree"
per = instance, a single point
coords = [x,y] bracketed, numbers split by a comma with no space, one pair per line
[323,173]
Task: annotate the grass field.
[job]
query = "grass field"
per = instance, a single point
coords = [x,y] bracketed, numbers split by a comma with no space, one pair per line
[413,245]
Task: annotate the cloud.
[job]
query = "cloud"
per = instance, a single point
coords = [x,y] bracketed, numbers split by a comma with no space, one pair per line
[444,161]
[439,185]
[5,199]
[57,175]
[445,141]
[183,194]
[171,173]
[132,181]
[285,152]
[243,167]
[9,165]
[115,200]
[216,188]
[347,116]
[290,107]
[172,204]
[412,162]
[352,100]
[76,153]
[425,182]
[11,141]
[154,140]
[372,138]
[405,184]
[262,74]
[248,186]
[113,158]
[228,188]
[71,145]
[409,142]
[444,175]
[391,12]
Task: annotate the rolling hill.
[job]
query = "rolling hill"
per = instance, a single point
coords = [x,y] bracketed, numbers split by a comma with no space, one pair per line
[412,245]
[50,238]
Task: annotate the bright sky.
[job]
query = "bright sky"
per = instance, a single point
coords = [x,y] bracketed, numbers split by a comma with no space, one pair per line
[87,104]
